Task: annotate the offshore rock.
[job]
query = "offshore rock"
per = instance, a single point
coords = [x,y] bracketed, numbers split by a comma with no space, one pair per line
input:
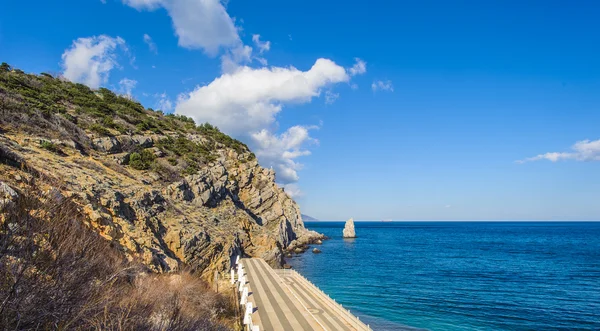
[349,229]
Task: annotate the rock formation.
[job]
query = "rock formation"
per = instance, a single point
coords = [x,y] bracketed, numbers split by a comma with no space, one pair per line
[195,197]
[349,229]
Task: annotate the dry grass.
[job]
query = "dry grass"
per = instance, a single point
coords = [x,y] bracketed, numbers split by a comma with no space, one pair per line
[56,273]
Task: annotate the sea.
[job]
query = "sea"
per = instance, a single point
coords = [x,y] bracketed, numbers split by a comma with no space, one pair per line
[461,275]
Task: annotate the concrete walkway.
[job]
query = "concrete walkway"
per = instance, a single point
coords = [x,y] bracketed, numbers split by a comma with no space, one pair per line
[285,301]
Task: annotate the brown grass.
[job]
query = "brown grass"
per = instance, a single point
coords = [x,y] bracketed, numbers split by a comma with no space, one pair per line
[56,273]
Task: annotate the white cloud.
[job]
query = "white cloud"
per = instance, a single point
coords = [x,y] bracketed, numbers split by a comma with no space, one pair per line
[359,68]
[231,60]
[330,97]
[380,85]
[584,150]
[248,99]
[90,60]
[199,24]
[281,151]
[262,46]
[163,103]
[261,60]
[144,4]
[293,190]
[244,103]
[127,85]
[151,45]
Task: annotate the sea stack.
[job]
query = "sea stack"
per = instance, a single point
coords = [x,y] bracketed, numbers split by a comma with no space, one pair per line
[349,229]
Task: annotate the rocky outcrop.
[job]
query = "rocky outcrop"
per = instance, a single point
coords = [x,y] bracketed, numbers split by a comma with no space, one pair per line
[231,206]
[7,196]
[110,145]
[349,229]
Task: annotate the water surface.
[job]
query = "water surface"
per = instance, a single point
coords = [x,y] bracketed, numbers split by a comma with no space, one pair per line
[462,275]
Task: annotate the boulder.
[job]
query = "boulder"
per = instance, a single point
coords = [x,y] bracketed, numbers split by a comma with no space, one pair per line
[8,191]
[316,250]
[349,229]
[108,145]
[143,141]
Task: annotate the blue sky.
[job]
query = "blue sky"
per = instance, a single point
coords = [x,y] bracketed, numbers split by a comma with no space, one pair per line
[416,110]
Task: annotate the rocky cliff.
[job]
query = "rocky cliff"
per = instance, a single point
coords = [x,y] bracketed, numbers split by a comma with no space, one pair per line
[160,188]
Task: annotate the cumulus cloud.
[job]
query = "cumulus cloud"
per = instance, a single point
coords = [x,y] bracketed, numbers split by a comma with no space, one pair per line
[359,68]
[263,46]
[293,190]
[90,60]
[380,85]
[231,60]
[584,150]
[151,45]
[127,85]
[245,103]
[281,151]
[198,24]
[248,99]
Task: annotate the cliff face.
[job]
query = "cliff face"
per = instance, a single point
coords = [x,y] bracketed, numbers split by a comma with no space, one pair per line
[169,197]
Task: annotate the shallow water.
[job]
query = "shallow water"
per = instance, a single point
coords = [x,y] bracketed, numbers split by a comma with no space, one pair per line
[462,275]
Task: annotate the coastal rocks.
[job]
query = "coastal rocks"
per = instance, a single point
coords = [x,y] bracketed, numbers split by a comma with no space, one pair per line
[349,229]
[305,238]
[231,206]
[316,250]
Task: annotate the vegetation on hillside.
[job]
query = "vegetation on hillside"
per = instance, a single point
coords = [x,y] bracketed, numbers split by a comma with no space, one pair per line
[57,274]
[54,108]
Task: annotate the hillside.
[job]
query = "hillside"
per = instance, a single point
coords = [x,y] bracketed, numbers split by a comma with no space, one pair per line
[308,218]
[160,188]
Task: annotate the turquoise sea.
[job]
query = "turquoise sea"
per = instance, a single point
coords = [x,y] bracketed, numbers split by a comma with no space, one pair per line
[462,275]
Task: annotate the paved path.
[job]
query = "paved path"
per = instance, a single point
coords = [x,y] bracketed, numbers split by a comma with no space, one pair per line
[286,301]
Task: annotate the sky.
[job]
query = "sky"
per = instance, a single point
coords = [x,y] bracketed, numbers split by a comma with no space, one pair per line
[404,110]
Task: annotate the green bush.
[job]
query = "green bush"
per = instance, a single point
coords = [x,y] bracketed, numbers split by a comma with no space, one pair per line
[99,129]
[4,67]
[142,160]
[50,146]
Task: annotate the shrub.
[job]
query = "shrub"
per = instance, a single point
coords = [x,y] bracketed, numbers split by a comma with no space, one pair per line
[57,273]
[142,160]
[99,129]
[50,146]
